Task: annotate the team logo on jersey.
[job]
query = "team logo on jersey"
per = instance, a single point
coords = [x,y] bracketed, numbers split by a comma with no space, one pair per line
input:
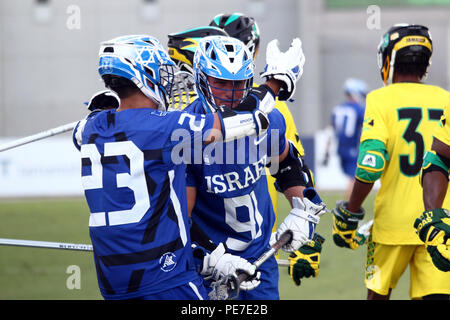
[168,261]
[369,160]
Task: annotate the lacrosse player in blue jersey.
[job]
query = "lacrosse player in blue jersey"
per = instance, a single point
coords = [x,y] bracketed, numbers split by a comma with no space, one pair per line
[347,121]
[135,190]
[229,202]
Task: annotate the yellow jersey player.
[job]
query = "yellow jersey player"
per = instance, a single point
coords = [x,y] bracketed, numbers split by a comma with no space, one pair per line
[398,125]
[433,226]
[304,262]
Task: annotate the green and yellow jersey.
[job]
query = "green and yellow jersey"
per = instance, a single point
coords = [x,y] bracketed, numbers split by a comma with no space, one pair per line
[402,116]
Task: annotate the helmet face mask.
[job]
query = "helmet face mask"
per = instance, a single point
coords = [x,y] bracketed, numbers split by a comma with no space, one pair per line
[224,72]
[405,44]
[220,92]
[142,60]
[241,27]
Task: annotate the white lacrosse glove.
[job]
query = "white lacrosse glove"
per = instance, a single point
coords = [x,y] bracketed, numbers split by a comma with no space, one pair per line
[261,98]
[218,264]
[236,125]
[301,221]
[286,67]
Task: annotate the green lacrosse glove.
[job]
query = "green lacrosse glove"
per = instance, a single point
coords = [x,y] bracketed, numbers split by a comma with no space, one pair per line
[433,228]
[345,225]
[304,262]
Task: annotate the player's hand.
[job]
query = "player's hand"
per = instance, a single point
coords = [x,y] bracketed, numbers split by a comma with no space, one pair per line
[236,124]
[103,100]
[304,262]
[345,227]
[433,228]
[261,98]
[218,264]
[301,221]
[286,67]
[438,245]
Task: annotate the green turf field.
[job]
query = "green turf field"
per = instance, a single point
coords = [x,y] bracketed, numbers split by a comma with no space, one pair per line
[32,273]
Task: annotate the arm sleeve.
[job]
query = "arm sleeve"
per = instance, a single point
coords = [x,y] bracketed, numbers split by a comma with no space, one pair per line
[372,160]
[189,130]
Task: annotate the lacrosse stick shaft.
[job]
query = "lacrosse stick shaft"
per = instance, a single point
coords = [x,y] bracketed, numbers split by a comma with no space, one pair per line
[46,244]
[284,238]
[283,262]
[38,136]
[69,246]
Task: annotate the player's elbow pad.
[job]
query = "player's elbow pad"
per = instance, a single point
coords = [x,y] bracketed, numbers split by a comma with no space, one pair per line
[292,171]
[372,160]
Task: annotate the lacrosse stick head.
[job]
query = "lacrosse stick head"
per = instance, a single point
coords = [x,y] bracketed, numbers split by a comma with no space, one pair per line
[226,288]
[183,90]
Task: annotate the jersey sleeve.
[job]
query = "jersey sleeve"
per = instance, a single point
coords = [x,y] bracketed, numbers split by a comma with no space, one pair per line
[276,134]
[291,130]
[374,125]
[442,132]
[189,131]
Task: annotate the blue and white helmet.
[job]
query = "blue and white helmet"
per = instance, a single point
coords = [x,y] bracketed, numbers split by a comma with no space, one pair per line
[223,58]
[143,60]
[357,89]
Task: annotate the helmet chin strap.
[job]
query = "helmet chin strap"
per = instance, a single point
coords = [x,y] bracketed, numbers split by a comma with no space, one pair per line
[390,77]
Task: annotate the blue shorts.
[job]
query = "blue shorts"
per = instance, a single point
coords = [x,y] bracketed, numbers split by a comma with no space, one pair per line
[193,290]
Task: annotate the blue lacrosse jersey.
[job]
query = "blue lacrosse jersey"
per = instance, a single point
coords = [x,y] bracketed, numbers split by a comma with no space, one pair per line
[233,204]
[347,119]
[135,186]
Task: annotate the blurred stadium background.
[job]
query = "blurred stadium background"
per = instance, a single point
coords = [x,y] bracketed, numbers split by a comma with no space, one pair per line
[48,66]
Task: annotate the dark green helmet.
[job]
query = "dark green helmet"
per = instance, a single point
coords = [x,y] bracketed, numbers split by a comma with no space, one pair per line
[241,27]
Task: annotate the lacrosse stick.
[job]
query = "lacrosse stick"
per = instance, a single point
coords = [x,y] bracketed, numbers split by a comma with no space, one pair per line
[182,91]
[228,287]
[71,246]
[38,136]
[46,244]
